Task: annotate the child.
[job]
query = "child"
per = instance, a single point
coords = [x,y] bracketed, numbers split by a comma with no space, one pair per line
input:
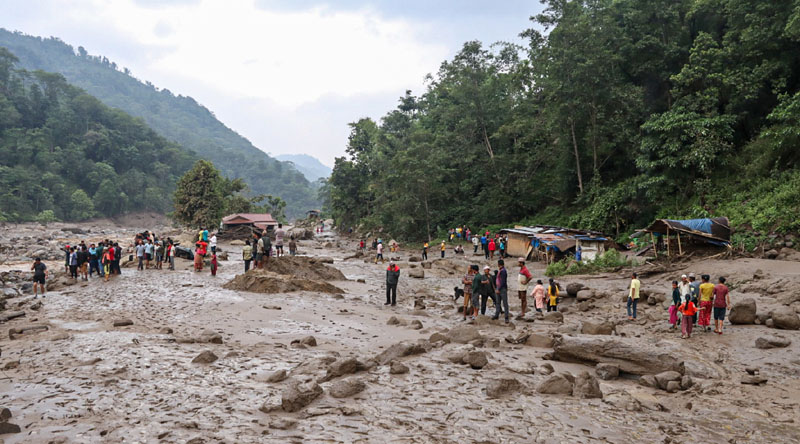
[689,310]
[673,309]
[213,264]
[552,291]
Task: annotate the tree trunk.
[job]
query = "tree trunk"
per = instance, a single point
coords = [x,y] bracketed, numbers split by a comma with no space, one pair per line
[577,155]
[427,215]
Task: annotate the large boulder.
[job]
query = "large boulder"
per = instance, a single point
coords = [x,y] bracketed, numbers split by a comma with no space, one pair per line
[767,342]
[574,287]
[664,378]
[597,328]
[399,350]
[463,334]
[416,273]
[785,318]
[496,388]
[631,355]
[743,312]
[475,359]
[296,396]
[585,295]
[345,388]
[554,316]
[341,367]
[586,386]
[606,371]
[557,384]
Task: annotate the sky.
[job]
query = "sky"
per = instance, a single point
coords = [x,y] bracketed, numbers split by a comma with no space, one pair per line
[287,75]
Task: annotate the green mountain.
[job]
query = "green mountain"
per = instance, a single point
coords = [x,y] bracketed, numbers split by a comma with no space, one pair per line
[65,155]
[310,166]
[175,117]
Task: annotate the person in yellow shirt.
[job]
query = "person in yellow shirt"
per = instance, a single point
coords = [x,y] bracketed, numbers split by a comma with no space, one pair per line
[706,296]
[444,247]
[425,251]
[633,296]
[552,293]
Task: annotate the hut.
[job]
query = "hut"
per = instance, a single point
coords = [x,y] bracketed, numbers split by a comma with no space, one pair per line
[676,237]
[549,243]
[261,221]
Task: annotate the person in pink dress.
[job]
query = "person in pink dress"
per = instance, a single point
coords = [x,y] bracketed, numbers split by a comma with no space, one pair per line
[538,295]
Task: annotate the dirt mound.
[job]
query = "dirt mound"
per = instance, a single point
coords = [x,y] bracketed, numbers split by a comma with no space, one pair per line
[287,274]
[261,281]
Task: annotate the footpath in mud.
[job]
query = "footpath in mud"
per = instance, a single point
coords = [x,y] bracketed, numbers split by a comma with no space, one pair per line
[183,357]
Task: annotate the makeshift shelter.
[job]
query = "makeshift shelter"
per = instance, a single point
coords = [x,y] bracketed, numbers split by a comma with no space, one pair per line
[680,236]
[262,221]
[549,243]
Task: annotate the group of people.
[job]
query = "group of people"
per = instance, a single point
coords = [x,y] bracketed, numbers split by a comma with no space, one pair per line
[149,249]
[258,250]
[83,261]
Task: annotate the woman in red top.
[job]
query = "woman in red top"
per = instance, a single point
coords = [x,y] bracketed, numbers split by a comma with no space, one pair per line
[688,309]
[492,247]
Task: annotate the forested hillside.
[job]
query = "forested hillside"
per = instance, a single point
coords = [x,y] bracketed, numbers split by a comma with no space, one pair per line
[177,118]
[65,155]
[614,113]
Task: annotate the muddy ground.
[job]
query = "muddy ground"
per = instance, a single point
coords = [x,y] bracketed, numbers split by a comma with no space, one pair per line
[86,380]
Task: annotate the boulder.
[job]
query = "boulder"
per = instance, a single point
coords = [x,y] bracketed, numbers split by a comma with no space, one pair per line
[673,386]
[648,381]
[631,355]
[785,318]
[663,378]
[456,355]
[345,388]
[574,287]
[556,384]
[772,342]
[585,295]
[341,367]
[439,337]
[546,369]
[497,388]
[298,395]
[122,322]
[415,259]
[554,316]
[606,371]
[398,368]
[743,312]
[540,340]
[206,357]
[686,382]
[416,324]
[475,359]
[586,386]
[595,328]
[771,254]
[427,265]
[277,376]
[399,350]
[753,379]
[463,334]
[416,273]
[308,341]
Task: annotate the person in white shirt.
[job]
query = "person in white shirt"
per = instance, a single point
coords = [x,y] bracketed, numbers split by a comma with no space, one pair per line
[213,243]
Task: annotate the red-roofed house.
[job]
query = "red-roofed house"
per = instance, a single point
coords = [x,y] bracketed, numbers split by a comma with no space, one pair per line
[259,220]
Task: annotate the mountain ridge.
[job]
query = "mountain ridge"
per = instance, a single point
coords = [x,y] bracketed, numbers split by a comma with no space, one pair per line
[310,166]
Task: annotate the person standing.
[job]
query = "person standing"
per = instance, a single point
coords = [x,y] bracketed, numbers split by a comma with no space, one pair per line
[392,278]
[117,257]
[292,246]
[362,246]
[379,252]
[538,296]
[489,290]
[706,296]
[425,251]
[148,253]
[267,248]
[213,264]
[279,235]
[443,248]
[673,309]
[160,250]
[73,263]
[247,255]
[467,281]
[140,255]
[171,255]
[492,248]
[213,243]
[502,248]
[523,278]
[633,296]
[722,300]
[688,309]
[578,254]
[83,262]
[199,252]
[93,263]
[695,288]
[485,246]
[501,289]
[480,286]
[39,276]
[475,243]
[552,293]
[204,235]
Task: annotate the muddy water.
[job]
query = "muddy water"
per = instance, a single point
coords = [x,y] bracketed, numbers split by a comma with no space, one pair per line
[87,381]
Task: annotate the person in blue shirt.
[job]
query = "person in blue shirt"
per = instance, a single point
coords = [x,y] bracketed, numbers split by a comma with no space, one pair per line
[578,254]
[485,246]
[148,254]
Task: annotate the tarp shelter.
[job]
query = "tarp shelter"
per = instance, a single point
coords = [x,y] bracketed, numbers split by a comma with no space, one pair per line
[262,221]
[552,243]
[707,231]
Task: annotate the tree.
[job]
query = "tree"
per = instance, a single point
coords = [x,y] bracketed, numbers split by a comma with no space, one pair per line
[81,206]
[199,197]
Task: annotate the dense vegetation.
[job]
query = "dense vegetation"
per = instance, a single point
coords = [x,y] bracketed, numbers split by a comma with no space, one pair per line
[177,118]
[65,155]
[616,112]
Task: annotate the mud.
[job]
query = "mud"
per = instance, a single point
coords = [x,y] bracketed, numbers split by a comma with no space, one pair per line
[84,380]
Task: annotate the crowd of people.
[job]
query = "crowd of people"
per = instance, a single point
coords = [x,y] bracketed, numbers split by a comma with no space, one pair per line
[81,261]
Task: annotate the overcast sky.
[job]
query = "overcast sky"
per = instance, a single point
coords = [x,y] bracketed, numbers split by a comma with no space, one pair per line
[288,75]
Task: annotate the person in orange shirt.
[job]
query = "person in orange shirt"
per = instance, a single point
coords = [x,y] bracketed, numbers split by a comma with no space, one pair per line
[688,309]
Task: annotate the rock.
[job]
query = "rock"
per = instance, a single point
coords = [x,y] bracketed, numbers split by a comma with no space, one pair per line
[751,370]
[277,376]
[416,273]
[427,265]
[209,337]
[753,380]
[206,357]
[586,386]
[496,388]
[594,328]
[785,318]
[394,320]
[122,322]
[5,414]
[298,395]
[11,365]
[770,323]
[686,382]
[439,337]
[7,427]
[554,316]
[518,339]
[308,341]
[419,303]
[574,287]
[475,359]
[341,367]
[648,381]
[632,355]
[415,259]
[606,371]
[584,295]
[540,340]
[345,388]
[416,324]
[463,334]
[772,342]
[771,254]
[557,384]
[546,368]
[663,378]
[743,312]
[569,329]
[399,350]
[398,368]
[673,386]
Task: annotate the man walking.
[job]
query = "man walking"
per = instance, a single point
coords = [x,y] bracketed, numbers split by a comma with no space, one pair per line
[501,289]
[392,277]
[633,296]
[39,276]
